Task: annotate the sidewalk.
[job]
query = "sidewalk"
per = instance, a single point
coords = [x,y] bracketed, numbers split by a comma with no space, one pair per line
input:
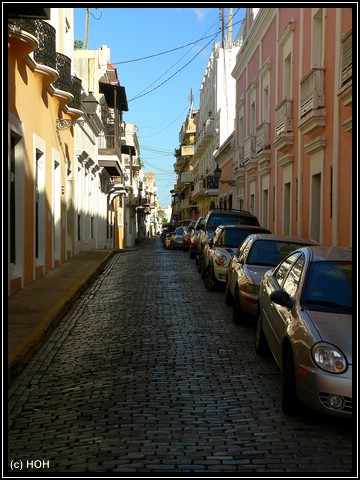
[34,311]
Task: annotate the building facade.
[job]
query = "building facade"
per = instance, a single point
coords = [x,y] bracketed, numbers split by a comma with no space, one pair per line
[75,179]
[214,127]
[293,130]
[42,91]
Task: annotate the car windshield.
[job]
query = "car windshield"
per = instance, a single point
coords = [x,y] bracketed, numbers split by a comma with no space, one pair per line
[270,252]
[230,219]
[329,287]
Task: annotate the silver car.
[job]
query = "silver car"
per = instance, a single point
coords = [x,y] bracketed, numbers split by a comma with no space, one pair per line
[220,250]
[305,320]
[255,256]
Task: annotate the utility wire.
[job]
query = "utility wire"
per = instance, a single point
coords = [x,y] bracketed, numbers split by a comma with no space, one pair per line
[173,75]
[168,51]
[180,69]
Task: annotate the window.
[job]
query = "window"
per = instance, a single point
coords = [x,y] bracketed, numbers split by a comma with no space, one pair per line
[293,278]
[317,38]
[287,77]
[283,268]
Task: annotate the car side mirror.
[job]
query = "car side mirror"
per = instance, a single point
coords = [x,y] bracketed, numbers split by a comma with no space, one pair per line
[282,298]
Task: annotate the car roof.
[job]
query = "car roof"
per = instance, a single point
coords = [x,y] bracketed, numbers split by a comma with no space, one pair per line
[254,228]
[325,253]
[239,212]
[284,238]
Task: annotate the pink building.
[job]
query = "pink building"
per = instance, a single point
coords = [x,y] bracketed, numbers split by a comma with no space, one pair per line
[293,128]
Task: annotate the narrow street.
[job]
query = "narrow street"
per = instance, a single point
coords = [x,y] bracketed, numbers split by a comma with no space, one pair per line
[148,373]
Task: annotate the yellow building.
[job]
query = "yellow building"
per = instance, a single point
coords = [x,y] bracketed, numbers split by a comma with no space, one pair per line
[41,93]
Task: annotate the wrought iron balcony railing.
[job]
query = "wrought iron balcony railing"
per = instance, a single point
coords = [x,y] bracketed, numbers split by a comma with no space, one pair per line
[63,66]
[45,34]
[76,92]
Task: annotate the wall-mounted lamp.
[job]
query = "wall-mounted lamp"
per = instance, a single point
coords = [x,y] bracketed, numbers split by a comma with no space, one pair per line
[89,105]
[217,174]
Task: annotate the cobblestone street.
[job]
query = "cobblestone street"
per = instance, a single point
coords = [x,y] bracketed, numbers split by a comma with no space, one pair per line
[148,373]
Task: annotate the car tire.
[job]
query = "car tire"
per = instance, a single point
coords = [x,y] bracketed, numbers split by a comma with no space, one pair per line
[209,280]
[237,312]
[229,299]
[261,344]
[290,401]
[192,254]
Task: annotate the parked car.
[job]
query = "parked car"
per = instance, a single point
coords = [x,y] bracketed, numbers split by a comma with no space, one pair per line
[213,219]
[305,320]
[176,238]
[220,250]
[166,241]
[258,253]
[187,235]
[199,225]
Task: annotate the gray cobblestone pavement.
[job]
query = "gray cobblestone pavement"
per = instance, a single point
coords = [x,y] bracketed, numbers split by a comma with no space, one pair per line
[148,373]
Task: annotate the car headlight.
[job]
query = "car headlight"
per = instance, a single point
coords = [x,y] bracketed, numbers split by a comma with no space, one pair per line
[220,259]
[329,358]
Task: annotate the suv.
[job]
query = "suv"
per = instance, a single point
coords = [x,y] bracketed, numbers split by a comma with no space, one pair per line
[213,219]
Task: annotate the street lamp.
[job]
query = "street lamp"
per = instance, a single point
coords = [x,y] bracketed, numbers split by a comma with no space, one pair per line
[89,104]
[217,174]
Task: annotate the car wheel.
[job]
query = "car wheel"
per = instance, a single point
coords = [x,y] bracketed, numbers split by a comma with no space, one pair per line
[261,344]
[209,280]
[290,401]
[237,312]
[192,254]
[229,299]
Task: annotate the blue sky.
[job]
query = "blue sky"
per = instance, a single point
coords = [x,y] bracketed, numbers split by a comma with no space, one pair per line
[157,88]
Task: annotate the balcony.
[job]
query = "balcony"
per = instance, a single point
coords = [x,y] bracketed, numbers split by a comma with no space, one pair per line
[134,163]
[211,185]
[199,190]
[184,203]
[239,158]
[187,150]
[262,137]
[250,150]
[284,137]
[179,164]
[187,177]
[109,154]
[312,112]
[75,90]
[108,144]
[204,135]
[45,50]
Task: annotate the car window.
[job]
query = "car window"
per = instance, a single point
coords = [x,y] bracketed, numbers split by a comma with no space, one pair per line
[230,219]
[234,237]
[269,252]
[218,237]
[244,249]
[329,287]
[222,238]
[293,277]
[283,268]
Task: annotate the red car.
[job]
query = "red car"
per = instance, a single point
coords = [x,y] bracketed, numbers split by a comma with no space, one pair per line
[194,237]
[187,236]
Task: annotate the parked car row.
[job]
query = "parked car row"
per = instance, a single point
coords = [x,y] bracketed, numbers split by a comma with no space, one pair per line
[297,293]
